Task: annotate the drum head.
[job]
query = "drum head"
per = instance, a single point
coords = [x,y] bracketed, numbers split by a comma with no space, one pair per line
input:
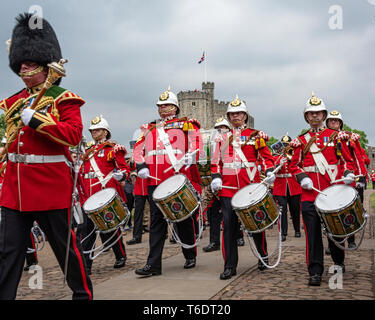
[248,196]
[99,199]
[169,186]
[338,197]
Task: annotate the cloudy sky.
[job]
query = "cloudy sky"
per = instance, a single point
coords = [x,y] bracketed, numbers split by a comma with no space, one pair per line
[273,54]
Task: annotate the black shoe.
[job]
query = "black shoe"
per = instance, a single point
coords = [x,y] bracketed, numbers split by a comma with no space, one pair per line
[261,266]
[352,245]
[315,280]
[120,263]
[283,237]
[190,263]
[328,251]
[133,241]
[240,242]
[172,240]
[297,234]
[147,270]
[28,266]
[228,273]
[211,247]
[339,266]
[145,229]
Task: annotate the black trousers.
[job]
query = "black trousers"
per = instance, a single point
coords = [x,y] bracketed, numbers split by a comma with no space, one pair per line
[14,233]
[140,202]
[294,203]
[215,217]
[130,205]
[314,243]
[158,231]
[86,228]
[230,236]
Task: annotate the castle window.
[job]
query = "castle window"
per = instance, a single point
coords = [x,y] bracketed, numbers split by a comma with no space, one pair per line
[193,103]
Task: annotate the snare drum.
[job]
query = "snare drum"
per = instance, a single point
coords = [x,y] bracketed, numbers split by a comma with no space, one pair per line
[176,198]
[106,210]
[255,207]
[341,210]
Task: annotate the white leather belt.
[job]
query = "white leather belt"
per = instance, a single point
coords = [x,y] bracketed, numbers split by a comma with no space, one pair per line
[162,152]
[90,175]
[285,175]
[32,158]
[237,165]
[316,169]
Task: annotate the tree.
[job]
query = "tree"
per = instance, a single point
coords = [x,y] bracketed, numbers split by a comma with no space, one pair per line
[362,140]
[2,126]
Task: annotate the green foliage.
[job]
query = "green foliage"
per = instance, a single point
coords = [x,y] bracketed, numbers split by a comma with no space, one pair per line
[363,140]
[2,126]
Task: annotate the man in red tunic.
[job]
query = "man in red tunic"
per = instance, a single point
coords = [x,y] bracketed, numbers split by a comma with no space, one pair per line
[99,163]
[157,155]
[38,183]
[287,191]
[235,165]
[335,121]
[317,162]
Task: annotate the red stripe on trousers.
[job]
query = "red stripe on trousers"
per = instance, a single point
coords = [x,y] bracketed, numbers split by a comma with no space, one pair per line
[119,242]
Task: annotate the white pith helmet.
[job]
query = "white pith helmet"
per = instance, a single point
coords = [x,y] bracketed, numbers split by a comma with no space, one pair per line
[314,104]
[100,123]
[237,105]
[222,122]
[335,115]
[168,97]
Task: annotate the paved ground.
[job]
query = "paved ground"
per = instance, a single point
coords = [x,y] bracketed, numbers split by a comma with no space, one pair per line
[287,281]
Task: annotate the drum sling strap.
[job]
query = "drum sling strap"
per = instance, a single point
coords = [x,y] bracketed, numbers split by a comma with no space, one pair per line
[319,158]
[168,147]
[238,150]
[98,173]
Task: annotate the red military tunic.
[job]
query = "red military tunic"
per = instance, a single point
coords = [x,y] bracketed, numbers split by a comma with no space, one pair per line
[107,156]
[149,151]
[304,165]
[285,180]
[227,164]
[55,127]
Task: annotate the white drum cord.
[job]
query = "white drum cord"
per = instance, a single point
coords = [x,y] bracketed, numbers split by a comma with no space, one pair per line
[339,243]
[255,251]
[103,247]
[35,231]
[200,226]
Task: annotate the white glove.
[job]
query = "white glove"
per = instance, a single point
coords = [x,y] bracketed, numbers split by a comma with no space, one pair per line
[188,160]
[118,175]
[144,173]
[270,178]
[360,185]
[216,184]
[26,115]
[349,178]
[307,183]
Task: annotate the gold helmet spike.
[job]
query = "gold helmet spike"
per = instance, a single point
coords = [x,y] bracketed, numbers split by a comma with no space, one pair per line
[236,102]
[315,101]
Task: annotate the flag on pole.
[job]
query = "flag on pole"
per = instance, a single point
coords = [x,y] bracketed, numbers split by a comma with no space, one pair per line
[202,59]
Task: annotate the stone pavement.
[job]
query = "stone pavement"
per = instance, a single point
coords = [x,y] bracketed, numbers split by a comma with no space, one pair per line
[288,281]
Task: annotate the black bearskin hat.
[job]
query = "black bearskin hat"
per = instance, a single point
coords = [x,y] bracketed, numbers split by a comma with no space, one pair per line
[32,44]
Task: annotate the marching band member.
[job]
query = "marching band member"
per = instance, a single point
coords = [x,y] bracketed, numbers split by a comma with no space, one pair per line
[287,191]
[235,165]
[318,160]
[334,121]
[99,161]
[140,195]
[38,182]
[161,144]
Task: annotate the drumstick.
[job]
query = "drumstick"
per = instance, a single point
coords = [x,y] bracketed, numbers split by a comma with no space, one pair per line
[227,187]
[343,179]
[194,152]
[154,178]
[317,190]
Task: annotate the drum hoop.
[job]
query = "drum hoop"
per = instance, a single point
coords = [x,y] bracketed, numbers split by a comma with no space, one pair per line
[245,207]
[177,190]
[104,205]
[343,208]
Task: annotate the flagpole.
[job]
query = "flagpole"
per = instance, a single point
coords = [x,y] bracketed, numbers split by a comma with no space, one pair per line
[205,67]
